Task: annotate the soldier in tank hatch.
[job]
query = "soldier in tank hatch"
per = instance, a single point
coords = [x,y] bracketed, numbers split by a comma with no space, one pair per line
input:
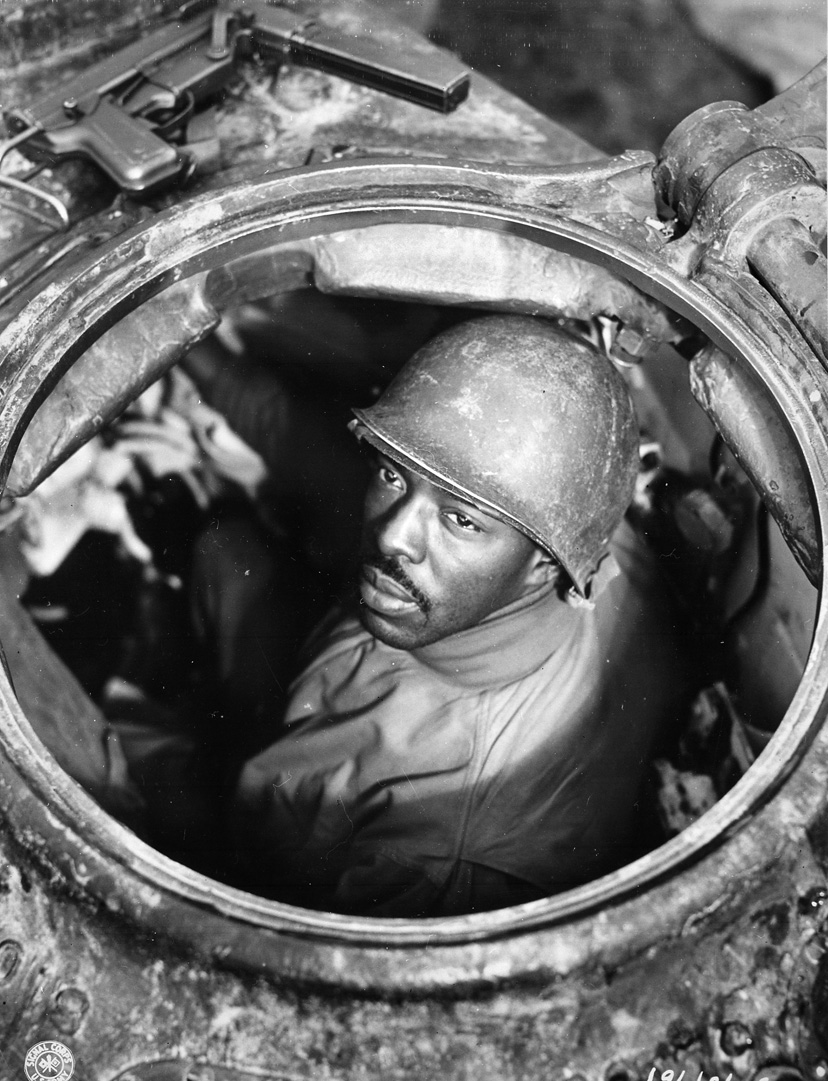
[471,730]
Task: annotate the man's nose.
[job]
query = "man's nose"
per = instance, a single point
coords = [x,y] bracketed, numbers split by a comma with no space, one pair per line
[401,531]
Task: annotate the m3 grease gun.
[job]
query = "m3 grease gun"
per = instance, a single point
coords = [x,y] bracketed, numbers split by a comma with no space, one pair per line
[129,113]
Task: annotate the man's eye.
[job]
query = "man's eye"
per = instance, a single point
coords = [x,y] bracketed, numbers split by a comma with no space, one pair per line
[463,522]
[388,476]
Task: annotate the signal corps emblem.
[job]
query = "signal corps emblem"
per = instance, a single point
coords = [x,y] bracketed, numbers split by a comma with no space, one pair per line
[49,1061]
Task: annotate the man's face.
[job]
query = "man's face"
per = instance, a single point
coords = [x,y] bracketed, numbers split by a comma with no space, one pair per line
[432,564]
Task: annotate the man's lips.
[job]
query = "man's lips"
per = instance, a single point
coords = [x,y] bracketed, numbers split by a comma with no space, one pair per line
[382,594]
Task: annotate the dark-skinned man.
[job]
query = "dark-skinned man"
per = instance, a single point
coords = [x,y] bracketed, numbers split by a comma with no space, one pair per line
[472,731]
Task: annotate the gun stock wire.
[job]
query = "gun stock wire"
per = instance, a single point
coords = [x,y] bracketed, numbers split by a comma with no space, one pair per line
[29,189]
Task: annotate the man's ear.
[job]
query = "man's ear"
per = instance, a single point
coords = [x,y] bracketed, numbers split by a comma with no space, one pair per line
[541,569]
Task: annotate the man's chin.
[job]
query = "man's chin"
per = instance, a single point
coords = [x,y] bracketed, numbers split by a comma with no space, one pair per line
[392,632]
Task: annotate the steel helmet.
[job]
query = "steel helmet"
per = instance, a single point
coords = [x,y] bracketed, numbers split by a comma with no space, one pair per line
[522,420]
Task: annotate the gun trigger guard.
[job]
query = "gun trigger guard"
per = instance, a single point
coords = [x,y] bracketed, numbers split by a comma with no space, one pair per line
[179,119]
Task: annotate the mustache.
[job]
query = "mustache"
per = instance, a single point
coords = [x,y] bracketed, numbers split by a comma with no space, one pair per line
[389,566]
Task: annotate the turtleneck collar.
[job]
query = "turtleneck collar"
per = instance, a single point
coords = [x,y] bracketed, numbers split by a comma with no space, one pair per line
[507,645]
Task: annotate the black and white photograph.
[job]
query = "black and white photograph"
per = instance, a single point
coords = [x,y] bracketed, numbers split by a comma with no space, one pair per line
[413,515]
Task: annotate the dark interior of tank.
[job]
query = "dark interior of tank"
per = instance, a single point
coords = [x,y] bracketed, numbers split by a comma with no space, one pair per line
[104,560]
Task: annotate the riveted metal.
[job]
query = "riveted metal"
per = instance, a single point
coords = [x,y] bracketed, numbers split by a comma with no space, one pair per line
[736,1038]
[71,1006]
[10,954]
[813,901]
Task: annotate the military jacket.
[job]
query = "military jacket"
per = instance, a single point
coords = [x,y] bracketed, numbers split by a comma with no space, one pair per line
[495,766]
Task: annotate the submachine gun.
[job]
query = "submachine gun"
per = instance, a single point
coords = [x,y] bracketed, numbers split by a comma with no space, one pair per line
[129,113]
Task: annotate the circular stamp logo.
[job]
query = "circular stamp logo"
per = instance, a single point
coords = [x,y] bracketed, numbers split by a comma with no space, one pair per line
[49,1061]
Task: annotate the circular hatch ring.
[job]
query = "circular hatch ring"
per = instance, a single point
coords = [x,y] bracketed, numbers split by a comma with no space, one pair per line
[617,915]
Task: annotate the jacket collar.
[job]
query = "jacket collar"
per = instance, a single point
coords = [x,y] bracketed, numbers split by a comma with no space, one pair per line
[508,644]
